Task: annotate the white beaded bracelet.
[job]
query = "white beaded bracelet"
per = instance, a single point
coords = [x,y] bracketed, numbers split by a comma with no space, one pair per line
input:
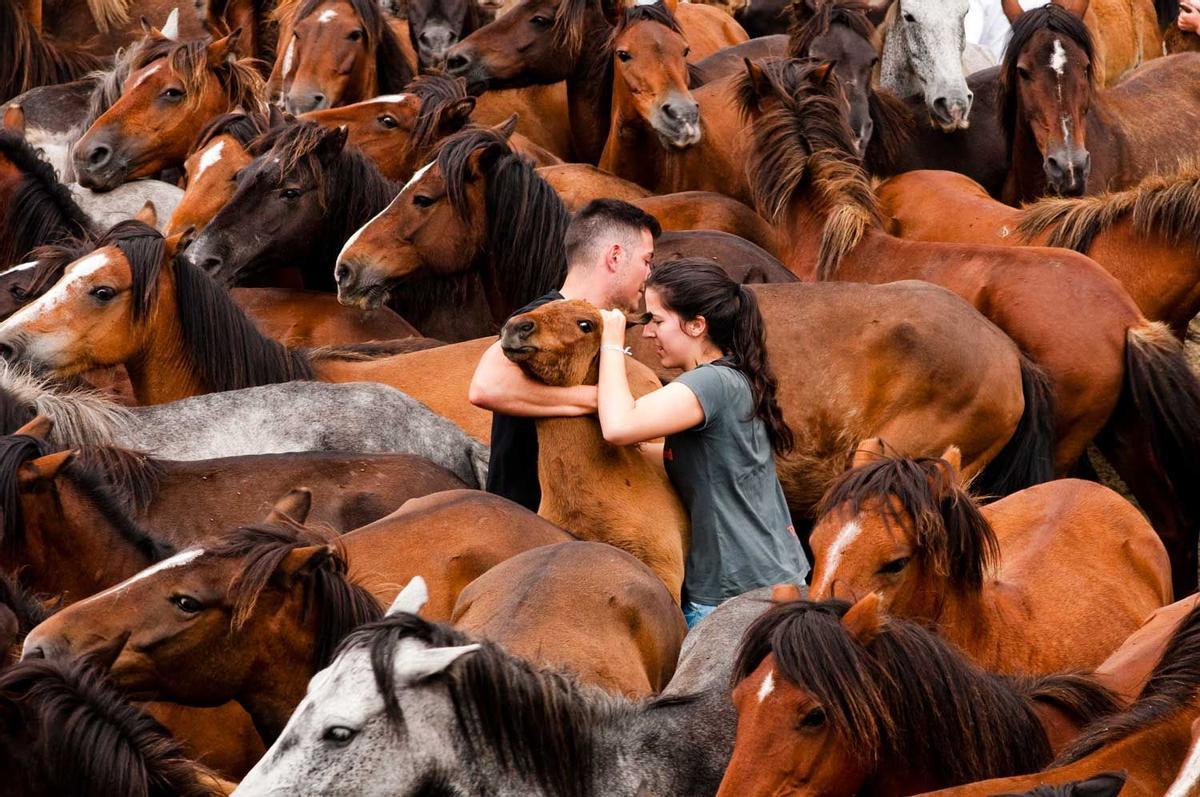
[614,347]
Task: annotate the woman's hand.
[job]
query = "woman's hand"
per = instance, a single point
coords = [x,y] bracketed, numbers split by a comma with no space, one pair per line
[1189,18]
[614,327]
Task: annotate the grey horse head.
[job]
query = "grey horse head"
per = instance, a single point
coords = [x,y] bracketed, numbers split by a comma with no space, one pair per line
[923,49]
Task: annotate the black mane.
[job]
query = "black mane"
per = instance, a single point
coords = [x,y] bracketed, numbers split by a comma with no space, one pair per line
[42,210]
[29,60]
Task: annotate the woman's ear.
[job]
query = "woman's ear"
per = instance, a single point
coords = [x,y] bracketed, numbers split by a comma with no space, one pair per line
[696,327]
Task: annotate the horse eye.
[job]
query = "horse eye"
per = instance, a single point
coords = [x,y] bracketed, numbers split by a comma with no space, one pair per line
[17,291]
[355,35]
[422,201]
[586,326]
[172,94]
[909,17]
[388,121]
[687,51]
[541,21]
[338,734]
[623,55]
[813,719]
[186,603]
[104,293]
[289,194]
[894,566]
[1023,73]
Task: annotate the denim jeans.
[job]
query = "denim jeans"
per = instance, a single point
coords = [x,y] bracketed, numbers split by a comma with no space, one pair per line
[695,612]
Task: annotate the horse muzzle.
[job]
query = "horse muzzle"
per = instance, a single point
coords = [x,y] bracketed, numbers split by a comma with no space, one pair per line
[514,339]
[99,166]
[1067,171]
[355,289]
[462,61]
[951,112]
[677,122]
[433,44]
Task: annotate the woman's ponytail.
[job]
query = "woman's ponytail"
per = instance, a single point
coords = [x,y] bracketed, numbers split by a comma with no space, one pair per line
[697,287]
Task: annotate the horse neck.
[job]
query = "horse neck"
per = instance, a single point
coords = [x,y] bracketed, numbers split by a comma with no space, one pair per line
[162,371]
[631,150]
[589,93]
[1026,176]
[279,682]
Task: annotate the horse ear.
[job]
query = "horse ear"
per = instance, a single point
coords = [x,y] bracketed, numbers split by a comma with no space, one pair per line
[44,469]
[758,79]
[865,619]
[413,666]
[953,459]
[332,143]
[870,450]
[456,114]
[294,506]
[507,127]
[38,428]
[877,10]
[176,243]
[411,599]
[170,28]
[14,119]
[785,593]
[148,214]
[275,116]
[1076,7]
[301,563]
[1012,10]
[823,72]
[224,49]
[150,30]
[480,161]
[1106,784]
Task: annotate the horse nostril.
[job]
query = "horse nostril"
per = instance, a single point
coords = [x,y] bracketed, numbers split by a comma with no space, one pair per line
[8,352]
[457,63]
[341,273]
[211,264]
[99,155]
[318,100]
[34,653]
[671,112]
[1053,166]
[524,328]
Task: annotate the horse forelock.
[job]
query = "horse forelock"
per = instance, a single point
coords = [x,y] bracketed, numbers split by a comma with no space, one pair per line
[806,138]
[335,604]
[811,19]
[435,92]
[78,713]
[650,12]
[1050,17]
[15,451]
[392,72]
[1174,685]
[919,495]
[536,723]
[906,699]
[242,127]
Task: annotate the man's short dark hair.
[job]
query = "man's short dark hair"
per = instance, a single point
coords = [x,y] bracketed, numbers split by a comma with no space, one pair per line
[603,217]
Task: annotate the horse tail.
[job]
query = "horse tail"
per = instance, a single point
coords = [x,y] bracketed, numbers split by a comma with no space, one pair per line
[1028,456]
[1080,698]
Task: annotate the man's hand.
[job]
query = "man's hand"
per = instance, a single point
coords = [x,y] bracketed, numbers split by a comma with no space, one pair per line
[614,327]
[1189,18]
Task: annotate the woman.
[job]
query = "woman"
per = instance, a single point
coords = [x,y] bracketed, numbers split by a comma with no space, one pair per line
[722,424]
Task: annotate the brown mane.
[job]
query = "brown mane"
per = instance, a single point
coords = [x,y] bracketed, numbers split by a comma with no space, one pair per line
[30,60]
[242,127]
[905,698]
[1160,205]
[25,606]
[436,91]
[42,210]
[65,730]
[189,59]
[921,496]
[336,604]
[804,142]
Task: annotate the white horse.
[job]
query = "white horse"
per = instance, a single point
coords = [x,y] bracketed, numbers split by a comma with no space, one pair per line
[387,717]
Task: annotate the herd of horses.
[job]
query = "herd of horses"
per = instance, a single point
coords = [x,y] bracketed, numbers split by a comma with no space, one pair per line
[249,260]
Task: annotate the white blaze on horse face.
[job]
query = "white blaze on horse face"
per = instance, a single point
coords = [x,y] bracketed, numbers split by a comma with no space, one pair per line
[1058,58]
[287,57]
[178,560]
[210,156]
[1187,783]
[354,238]
[389,98]
[847,535]
[64,290]
[20,267]
[150,70]
[767,686]
[327,15]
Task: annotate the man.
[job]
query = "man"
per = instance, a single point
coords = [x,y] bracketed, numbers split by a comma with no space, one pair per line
[609,244]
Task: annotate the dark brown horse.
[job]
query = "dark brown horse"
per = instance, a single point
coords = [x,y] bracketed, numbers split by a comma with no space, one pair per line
[1066,135]
[171,91]
[435,25]
[808,179]
[218,153]
[57,717]
[478,222]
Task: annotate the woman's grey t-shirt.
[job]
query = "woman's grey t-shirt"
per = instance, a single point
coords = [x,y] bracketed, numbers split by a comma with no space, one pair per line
[724,470]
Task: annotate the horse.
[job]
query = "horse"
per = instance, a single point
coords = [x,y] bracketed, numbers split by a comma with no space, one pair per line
[541,42]
[503,725]
[300,171]
[590,486]
[559,343]
[338,52]
[841,698]
[991,579]
[1142,235]
[363,417]
[1127,671]
[621,630]
[477,223]
[399,133]
[172,89]
[57,715]
[1149,740]
[32,60]
[435,25]
[1066,135]
[220,151]
[808,180]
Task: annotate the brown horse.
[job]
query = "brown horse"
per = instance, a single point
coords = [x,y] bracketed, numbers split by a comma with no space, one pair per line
[1149,741]
[1127,671]
[399,133]
[172,90]
[31,60]
[615,625]
[991,579]
[219,152]
[580,183]
[598,490]
[807,179]
[338,52]
[55,717]
[477,223]
[1067,136]
[840,700]
[1143,236]
[559,343]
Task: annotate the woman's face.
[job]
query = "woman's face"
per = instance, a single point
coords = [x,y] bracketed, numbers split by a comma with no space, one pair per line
[676,348]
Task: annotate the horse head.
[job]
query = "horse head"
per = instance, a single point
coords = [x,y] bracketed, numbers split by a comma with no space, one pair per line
[922,54]
[221,151]
[556,343]
[436,25]
[904,529]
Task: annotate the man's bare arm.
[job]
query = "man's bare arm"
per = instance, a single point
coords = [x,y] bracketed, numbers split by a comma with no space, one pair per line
[500,385]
